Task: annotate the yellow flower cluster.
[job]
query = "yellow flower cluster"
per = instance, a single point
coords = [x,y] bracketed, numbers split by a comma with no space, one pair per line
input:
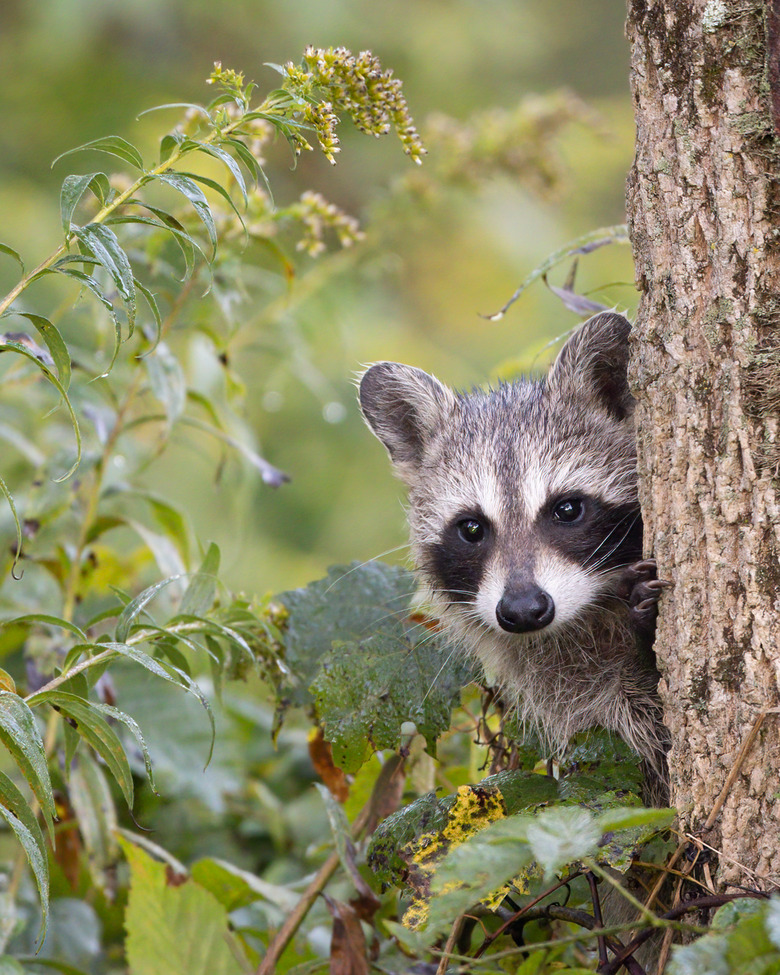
[357,85]
[317,216]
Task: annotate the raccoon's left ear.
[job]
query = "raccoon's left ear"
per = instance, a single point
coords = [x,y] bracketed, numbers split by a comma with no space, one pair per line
[403,406]
[594,361]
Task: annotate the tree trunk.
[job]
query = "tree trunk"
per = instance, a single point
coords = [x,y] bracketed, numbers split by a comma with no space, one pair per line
[703,211]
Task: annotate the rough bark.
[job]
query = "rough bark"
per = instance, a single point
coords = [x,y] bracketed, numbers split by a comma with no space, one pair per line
[703,211]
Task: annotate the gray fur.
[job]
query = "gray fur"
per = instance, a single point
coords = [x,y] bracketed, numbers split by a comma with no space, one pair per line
[504,453]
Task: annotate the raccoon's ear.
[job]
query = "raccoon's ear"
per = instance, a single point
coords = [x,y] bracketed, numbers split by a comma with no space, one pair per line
[594,361]
[403,406]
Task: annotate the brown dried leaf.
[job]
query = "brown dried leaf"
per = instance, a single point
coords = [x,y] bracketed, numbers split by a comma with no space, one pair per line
[348,944]
[322,759]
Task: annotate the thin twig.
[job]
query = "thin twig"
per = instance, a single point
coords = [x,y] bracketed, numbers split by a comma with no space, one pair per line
[747,744]
[518,914]
[452,941]
[594,894]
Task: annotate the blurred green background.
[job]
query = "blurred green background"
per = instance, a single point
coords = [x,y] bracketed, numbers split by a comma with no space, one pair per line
[74,70]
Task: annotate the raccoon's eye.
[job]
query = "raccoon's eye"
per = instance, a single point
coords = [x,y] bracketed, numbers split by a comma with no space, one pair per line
[568,510]
[471,530]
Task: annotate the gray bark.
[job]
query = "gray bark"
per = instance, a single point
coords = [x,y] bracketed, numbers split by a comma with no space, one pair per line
[703,204]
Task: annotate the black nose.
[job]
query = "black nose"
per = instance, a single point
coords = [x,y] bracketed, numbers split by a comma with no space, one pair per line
[525,610]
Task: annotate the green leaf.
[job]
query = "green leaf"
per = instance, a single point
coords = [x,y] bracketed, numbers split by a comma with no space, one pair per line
[180,105]
[151,301]
[365,688]
[349,603]
[5,249]
[235,888]
[19,733]
[87,281]
[49,621]
[218,188]
[114,145]
[229,161]
[54,343]
[190,189]
[174,928]
[9,498]
[167,381]
[102,242]
[399,838]
[20,817]
[170,673]
[95,731]
[135,606]
[10,346]
[560,836]
[619,819]
[200,593]
[132,726]
[91,799]
[74,188]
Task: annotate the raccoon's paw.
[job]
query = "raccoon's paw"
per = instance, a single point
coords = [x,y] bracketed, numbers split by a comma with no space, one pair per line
[643,590]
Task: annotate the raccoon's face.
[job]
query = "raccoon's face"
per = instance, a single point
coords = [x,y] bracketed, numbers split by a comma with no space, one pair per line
[523,504]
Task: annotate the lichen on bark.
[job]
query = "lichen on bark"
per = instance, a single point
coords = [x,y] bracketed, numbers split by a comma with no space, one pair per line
[703,204]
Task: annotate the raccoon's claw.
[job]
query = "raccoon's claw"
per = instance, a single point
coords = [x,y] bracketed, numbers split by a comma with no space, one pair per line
[642,591]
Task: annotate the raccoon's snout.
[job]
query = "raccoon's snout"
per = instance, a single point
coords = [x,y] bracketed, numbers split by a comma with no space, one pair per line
[525,610]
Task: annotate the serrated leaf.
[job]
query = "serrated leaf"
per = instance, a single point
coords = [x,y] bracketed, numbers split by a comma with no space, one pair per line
[19,733]
[135,606]
[199,595]
[102,242]
[351,603]
[20,817]
[560,836]
[96,731]
[10,346]
[114,145]
[54,343]
[190,189]
[443,822]
[173,928]
[74,188]
[5,249]
[365,690]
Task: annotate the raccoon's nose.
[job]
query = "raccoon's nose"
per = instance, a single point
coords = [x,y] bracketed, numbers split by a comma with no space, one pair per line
[525,610]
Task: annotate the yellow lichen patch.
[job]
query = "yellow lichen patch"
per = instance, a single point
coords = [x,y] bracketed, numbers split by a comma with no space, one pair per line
[474,808]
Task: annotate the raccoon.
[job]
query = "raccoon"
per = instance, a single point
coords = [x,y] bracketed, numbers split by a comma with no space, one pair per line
[527,533]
